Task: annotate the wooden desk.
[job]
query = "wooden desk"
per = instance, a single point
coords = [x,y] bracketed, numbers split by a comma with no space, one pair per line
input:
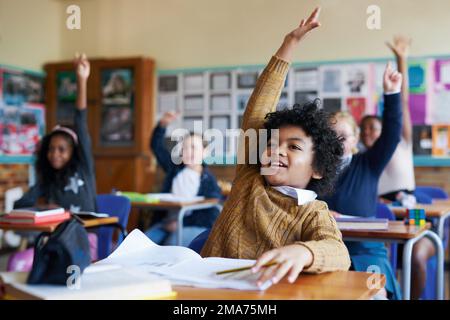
[50,227]
[408,235]
[180,208]
[439,210]
[346,285]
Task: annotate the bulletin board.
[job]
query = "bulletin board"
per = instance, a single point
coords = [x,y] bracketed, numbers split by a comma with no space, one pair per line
[22,113]
[218,96]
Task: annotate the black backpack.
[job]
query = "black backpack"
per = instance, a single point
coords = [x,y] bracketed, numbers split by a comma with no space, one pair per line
[66,250]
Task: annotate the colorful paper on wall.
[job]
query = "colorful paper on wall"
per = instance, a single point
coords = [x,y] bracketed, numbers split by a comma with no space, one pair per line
[441,107]
[418,108]
[442,73]
[417,77]
[356,107]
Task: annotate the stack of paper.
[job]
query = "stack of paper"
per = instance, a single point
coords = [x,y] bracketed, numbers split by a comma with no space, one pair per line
[181,265]
[112,284]
[35,215]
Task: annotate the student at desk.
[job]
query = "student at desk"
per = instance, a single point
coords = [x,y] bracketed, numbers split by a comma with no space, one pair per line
[188,179]
[64,161]
[356,188]
[271,213]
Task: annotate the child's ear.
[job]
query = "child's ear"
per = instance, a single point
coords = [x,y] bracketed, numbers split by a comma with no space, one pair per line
[317,176]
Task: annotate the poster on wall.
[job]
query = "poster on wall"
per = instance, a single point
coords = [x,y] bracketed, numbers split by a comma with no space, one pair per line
[22,113]
[66,97]
[357,80]
[331,80]
[356,107]
[417,77]
[442,74]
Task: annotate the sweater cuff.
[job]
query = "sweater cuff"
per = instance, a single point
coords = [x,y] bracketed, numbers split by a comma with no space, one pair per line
[278,65]
[318,254]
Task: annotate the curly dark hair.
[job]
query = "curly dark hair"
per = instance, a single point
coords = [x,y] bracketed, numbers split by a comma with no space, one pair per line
[46,174]
[327,146]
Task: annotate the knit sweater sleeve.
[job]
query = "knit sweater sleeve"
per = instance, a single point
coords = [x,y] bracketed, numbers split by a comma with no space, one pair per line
[263,100]
[320,234]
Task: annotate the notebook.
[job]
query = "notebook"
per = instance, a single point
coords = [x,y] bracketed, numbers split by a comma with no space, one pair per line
[169,197]
[181,265]
[38,211]
[352,223]
[88,214]
[108,284]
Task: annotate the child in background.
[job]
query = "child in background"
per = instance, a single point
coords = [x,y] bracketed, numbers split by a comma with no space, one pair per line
[397,182]
[270,214]
[64,162]
[356,188]
[189,179]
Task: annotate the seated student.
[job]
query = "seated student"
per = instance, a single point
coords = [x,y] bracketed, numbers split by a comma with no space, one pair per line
[271,212]
[189,179]
[64,162]
[356,188]
[397,179]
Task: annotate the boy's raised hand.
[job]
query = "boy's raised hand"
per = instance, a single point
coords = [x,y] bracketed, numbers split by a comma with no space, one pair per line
[392,80]
[305,26]
[400,46]
[168,118]
[83,67]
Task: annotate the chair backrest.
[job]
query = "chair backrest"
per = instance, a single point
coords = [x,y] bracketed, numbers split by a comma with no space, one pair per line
[383,212]
[115,206]
[199,241]
[433,192]
[11,196]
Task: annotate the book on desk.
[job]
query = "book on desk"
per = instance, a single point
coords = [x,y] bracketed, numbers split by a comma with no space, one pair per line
[346,222]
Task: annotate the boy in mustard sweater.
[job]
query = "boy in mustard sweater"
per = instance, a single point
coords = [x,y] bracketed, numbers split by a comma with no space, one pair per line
[271,213]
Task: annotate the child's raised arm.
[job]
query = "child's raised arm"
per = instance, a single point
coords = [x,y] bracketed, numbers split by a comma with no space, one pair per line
[83,69]
[268,88]
[400,48]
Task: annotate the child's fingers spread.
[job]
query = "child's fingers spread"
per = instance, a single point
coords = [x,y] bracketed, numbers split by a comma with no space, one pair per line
[281,271]
[265,258]
[295,271]
[266,274]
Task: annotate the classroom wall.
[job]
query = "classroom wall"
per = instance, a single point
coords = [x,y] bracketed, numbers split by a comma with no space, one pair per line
[201,33]
[30,32]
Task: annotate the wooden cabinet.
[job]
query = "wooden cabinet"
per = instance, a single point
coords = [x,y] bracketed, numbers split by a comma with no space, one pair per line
[120,117]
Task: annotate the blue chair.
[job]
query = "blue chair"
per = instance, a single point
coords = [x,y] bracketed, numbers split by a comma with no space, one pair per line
[433,192]
[115,206]
[383,212]
[199,241]
[429,293]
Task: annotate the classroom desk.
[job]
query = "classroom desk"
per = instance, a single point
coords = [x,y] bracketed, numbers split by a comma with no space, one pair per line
[439,210]
[345,285]
[50,227]
[181,208]
[408,235]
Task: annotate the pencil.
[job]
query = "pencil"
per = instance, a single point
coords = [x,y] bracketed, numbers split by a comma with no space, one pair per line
[245,268]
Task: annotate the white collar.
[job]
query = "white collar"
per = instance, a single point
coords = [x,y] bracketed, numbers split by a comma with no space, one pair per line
[302,195]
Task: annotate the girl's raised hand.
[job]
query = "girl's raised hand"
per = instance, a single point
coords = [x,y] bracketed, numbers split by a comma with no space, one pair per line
[83,67]
[392,80]
[305,26]
[168,118]
[400,46]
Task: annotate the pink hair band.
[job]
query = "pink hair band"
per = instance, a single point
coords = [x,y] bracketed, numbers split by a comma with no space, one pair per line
[69,131]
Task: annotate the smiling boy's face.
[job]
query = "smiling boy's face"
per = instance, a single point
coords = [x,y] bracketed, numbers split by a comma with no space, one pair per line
[288,162]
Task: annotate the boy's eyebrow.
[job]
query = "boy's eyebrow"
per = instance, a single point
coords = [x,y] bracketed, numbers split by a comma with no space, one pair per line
[296,139]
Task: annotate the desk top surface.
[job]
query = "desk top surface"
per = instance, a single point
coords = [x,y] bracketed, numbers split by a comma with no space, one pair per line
[349,285]
[434,210]
[50,227]
[396,230]
[172,205]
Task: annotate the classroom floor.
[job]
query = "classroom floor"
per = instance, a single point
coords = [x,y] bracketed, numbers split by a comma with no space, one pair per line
[4,259]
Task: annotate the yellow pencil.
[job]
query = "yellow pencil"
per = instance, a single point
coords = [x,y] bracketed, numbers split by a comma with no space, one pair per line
[245,268]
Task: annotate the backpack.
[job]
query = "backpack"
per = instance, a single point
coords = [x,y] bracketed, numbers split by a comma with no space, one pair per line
[65,251]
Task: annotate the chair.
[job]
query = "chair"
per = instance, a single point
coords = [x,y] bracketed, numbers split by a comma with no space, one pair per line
[115,206]
[429,293]
[383,212]
[199,241]
[433,192]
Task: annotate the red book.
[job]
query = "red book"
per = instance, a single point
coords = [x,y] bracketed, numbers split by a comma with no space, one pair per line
[24,220]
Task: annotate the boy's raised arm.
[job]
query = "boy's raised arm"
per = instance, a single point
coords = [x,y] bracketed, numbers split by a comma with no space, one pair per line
[268,88]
